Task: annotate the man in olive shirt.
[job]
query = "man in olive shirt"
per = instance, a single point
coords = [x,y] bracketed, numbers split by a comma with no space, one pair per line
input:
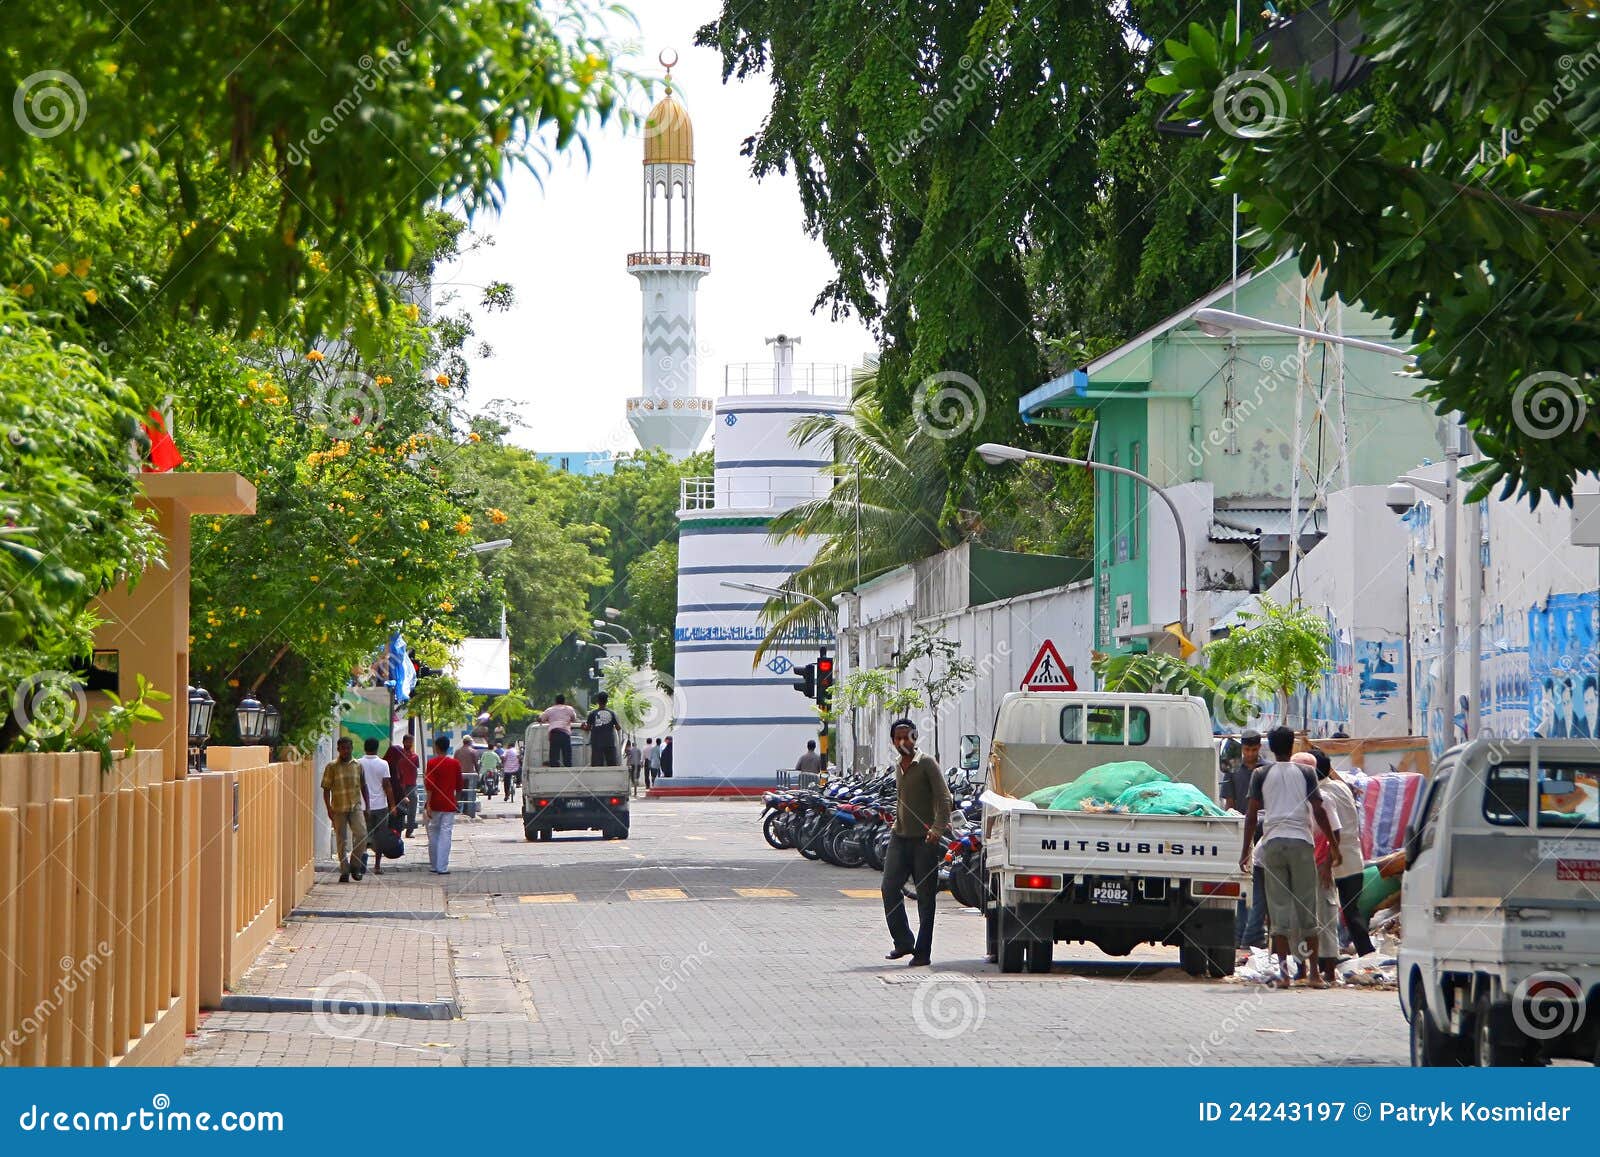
[344,795]
[921,815]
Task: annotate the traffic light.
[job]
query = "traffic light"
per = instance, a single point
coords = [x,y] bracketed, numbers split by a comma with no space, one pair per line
[806,684]
[824,681]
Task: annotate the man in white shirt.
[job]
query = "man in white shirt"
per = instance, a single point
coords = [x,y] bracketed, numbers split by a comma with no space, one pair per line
[1347,877]
[560,718]
[1284,800]
[379,791]
[652,763]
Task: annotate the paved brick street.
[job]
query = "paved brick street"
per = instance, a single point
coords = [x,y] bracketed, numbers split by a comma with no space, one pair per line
[694,943]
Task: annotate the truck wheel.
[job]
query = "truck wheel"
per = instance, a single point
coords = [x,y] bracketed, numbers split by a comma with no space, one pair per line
[990,919]
[1495,1044]
[1009,943]
[1219,961]
[529,833]
[1041,955]
[1192,959]
[1430,1048]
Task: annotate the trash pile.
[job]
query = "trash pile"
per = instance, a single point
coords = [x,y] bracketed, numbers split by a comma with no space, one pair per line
[1128,786]
[1377,970]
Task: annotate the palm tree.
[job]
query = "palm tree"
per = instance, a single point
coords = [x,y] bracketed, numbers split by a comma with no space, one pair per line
[886,507]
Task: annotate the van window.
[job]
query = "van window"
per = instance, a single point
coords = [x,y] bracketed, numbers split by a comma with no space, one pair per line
[1430,812]
[1110,724]
[1569,795]
[1505,795]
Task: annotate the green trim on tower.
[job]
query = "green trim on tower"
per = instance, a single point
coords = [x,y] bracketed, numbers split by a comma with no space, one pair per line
[708,525]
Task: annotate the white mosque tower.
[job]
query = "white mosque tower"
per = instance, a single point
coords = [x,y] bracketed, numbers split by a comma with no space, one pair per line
[740,719]
[669,414]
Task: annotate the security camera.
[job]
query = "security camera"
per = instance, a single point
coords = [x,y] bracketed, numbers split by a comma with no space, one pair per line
[1400,497]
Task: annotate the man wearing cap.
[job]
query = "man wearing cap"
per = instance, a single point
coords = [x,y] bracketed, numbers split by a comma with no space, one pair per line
[921,815]
[1250,921]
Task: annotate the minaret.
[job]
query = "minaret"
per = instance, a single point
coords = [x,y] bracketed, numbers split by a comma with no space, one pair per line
[669,414]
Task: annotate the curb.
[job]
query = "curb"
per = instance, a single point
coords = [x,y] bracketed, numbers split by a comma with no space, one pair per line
[405,1009]
[335,914]
[731,790]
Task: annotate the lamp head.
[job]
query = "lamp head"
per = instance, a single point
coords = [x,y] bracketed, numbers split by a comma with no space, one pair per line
[995,453]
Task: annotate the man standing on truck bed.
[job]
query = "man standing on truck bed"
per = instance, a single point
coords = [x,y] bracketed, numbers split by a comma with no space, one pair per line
[559,718]
[1285,800]
[602,728]
[921,815]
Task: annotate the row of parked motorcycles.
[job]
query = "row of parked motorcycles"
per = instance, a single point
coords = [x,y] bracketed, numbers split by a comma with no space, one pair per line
[848,823]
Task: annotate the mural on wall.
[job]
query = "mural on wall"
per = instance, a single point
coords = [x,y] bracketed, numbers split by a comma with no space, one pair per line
[1563,699]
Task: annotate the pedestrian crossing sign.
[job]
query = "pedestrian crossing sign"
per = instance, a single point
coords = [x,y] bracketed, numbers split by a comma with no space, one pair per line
[1047,672]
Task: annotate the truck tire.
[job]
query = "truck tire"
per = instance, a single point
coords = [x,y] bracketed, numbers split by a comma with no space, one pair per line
[1041,955]
[991,918]
[1430,1048]
[529,832]
[1010,946]
[1192,959]
[1495,1043]
[1213,961]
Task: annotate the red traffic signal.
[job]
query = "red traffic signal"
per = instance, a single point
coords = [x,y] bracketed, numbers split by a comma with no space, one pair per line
[824,680]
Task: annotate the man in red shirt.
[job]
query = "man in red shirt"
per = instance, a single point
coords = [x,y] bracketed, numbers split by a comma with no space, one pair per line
[403,766]
[442,781]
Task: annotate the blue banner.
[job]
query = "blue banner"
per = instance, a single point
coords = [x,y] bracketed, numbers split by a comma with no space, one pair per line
[738,1111]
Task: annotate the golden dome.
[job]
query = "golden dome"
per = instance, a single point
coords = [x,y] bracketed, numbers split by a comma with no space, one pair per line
[668,133]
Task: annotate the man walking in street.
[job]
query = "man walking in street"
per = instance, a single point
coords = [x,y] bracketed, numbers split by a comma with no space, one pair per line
[1284,802]
[560,718]
[379,802]
[634,758]
[343,792]
[403,768]
[442,781]
[1250,920]
[652,762]
[467,755]
[921,816]
[810,761]
[602,728]
[666,758]
[1347,878]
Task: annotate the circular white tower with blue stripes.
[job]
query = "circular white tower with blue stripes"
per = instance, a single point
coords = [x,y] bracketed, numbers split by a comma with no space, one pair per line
[744,719]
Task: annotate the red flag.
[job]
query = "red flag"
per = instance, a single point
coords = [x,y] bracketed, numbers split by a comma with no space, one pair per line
[164,454]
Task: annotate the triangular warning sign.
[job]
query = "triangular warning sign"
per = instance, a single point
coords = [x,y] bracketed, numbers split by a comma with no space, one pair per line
[1047,672]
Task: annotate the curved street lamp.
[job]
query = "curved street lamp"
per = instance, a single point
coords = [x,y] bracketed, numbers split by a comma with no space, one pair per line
[994,453]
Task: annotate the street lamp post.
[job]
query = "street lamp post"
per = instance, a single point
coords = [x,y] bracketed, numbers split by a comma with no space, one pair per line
[995,453]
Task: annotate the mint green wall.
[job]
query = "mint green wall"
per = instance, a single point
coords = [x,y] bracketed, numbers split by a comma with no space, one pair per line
[1122,426]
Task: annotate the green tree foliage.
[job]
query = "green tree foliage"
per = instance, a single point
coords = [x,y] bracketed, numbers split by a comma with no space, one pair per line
[261,127]
[980,173]
[653,599]
[1454,193]
[1279,650]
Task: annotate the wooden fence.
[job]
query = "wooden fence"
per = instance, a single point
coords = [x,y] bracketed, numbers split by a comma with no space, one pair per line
[122,892]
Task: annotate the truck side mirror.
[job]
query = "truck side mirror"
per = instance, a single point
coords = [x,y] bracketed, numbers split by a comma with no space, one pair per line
[971,752]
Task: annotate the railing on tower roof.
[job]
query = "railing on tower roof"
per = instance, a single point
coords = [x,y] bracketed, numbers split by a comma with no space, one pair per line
[677,257]
[827,379]
[746,491]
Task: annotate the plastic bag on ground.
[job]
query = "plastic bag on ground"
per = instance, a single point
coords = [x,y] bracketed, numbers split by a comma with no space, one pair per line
[1167,799]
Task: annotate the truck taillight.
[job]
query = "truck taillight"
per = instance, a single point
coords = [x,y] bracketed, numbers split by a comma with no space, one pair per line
[615,800]
[1038,883]
[544,803]
[1215,888]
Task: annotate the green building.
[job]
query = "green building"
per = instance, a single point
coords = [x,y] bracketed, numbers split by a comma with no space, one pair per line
[1233,425]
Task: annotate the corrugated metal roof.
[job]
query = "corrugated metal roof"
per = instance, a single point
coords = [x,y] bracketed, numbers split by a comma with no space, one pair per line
[1253,521]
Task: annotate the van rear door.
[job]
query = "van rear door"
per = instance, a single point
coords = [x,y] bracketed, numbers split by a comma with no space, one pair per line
[1540,841]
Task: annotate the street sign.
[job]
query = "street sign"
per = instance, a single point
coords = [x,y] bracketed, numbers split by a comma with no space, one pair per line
[1047,672]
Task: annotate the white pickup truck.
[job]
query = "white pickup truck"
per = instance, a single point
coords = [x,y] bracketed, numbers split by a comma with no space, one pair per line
[1113,880]
[576,798]
[1500,906]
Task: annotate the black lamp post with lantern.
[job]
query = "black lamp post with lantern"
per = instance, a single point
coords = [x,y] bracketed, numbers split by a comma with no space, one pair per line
[201,708]
[251,715]
[272,728]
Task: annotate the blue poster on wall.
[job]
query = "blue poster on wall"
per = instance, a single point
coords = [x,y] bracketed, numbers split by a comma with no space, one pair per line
[1563,698]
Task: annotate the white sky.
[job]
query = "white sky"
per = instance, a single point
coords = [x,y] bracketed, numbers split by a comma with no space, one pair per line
[568,354]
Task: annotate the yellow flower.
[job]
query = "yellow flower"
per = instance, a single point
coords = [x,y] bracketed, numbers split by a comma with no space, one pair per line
[26,291]
[378,620]
[135,190]
[60,269]
[464,525]
[446,605]
[216,524]
[315,579]
[383,380]
[474,437]
[423,525]
[91,296]
[412,313]
[81,266]
[498,516]
[314,356]
[339,610]
[317,261]
[442,379]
